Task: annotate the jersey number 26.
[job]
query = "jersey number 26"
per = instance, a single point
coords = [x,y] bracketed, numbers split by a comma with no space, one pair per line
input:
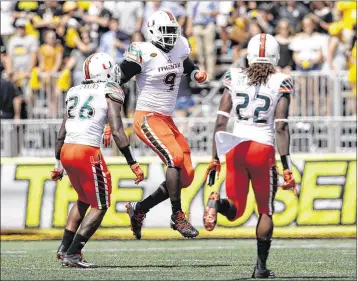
[86,111]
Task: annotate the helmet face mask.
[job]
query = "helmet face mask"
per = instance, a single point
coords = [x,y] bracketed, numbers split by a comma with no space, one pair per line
[116,74]
[170,35]
[163,30]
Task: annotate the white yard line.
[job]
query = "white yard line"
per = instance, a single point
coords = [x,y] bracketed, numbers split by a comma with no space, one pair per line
[8,252]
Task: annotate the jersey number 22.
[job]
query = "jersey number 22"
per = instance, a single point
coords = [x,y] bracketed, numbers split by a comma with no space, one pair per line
[258,110]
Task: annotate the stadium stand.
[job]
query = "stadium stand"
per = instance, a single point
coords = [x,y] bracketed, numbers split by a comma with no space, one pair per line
[44,44]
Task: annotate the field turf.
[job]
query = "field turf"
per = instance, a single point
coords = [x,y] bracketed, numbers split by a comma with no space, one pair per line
[201,259]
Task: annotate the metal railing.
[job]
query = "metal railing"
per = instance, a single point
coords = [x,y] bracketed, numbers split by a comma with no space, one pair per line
[316,93]
[308,134]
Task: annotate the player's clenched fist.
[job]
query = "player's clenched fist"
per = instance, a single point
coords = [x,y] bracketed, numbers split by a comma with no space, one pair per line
[200,77]
[289,181]
[58,171]
[106,137]
[212,170]
[137,170]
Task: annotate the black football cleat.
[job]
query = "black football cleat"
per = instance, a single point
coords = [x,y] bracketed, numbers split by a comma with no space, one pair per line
[136,218]
[180,223]
[262,273]
[211,211]
[61,252]
[76,261]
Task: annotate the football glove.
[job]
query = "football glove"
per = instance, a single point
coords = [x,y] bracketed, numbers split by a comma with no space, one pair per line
[289,181]
[212,170]
[137,170]
[106,136]
[58,172]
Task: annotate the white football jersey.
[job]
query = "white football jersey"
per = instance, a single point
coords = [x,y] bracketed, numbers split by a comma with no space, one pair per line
[159,80]
[255,106]
[86,109]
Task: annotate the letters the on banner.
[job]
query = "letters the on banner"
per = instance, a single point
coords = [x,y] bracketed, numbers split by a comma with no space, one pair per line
[327,194]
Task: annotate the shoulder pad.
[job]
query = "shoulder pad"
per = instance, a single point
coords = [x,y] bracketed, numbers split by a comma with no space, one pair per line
[286,85]
[227,79]
[185,45]
[69,93]
[281,83]
[114,92]
[134,53]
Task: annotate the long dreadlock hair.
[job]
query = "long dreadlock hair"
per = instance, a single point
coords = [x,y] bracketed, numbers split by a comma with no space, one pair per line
[258,73]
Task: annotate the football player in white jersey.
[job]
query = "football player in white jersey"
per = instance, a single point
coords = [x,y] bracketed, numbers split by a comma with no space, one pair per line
[260,98]
[88,107]
[159,65]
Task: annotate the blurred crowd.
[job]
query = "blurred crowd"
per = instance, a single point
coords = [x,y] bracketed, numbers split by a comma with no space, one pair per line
[44,43]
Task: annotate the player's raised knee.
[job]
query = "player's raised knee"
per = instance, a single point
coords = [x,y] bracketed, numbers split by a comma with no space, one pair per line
[187,177]
[177,159]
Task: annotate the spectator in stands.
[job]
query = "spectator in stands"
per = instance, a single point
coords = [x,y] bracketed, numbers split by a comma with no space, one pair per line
[336,55]
[68,27]
[114,42]
[22,50]
[130,15]
[222,21]
[50,60]
[265,18]
[7,29]
[240,26]
[47,17]
[176,9]
[283,36]
[201,24]
[85,48]
[254,29]
[307,47]
[98,19]
[4,58]
[294,12]
[322,15]
[10,101]
[27,10]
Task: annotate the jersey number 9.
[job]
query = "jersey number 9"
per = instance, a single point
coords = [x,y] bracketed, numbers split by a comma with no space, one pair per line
[169,80]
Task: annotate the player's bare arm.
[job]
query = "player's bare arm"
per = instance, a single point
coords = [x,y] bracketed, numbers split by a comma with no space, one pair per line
[120,138]
[128,69]
[58,172]
[222,119]
[283,140]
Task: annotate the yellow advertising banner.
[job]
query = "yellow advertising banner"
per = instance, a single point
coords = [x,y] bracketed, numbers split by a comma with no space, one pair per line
[33,206]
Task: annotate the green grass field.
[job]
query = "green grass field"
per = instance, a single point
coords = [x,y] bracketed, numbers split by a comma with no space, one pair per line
[205,259]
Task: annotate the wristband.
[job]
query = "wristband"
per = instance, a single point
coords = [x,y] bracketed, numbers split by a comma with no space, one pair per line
[286,162]
[127,153]
[223,113]
[58,165]
[192,75]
